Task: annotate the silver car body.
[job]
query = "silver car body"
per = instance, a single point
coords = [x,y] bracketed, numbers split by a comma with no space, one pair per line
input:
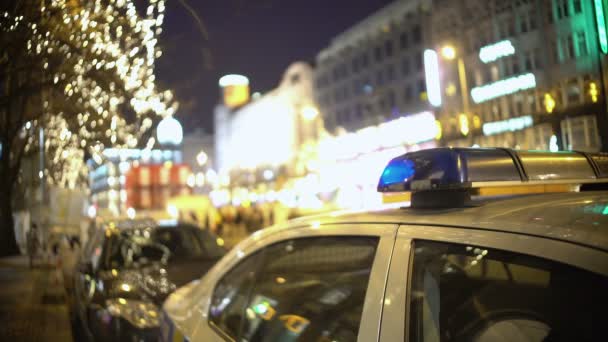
[570,228]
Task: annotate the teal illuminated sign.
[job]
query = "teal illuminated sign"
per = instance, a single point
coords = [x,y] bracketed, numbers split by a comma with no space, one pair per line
[601,25]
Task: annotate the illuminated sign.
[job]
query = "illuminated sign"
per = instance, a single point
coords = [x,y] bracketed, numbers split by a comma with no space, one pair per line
[235,89]
[601,24]
[503,87]
[510,125]
[493,52]
[431,70]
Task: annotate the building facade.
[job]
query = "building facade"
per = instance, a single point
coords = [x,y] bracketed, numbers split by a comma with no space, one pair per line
[261,141]
[519,74]
[374,71]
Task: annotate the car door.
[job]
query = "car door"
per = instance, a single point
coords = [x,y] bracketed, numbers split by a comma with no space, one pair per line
[84,281]
[459,284]
[321,282]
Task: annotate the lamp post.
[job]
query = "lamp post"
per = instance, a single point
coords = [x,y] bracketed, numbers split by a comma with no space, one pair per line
[448,52]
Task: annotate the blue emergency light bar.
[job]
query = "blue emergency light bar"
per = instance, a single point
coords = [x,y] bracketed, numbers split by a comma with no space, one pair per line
[468,168]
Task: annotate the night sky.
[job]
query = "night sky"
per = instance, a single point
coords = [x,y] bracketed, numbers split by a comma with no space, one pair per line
[256,38]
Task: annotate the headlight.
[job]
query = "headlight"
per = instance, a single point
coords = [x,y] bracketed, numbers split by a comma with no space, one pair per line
[140,314]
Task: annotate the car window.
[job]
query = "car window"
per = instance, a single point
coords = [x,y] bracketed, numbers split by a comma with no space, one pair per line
[472,293]
[145,245]
[298,290]
[309,290]
[230,296]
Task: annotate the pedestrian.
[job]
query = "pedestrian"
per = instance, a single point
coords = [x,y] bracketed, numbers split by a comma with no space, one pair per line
[32,243]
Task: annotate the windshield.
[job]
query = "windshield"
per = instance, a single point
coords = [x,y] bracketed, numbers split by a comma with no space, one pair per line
[132,248]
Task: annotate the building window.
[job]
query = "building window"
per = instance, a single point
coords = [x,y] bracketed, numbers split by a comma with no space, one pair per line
[515,65]
[378,54]
[364,60]
[388,48]
[421,86]
[419,62]
[581,42]
[532,20]
[555,52]
[569,42]
[576,6]
[379,77]
[528,60]
[391,99]
[523,22]
[405,66]
[573,92]
[390,73]
[562,9]
[537,58]
[407,94]
[404,40]
[416,34]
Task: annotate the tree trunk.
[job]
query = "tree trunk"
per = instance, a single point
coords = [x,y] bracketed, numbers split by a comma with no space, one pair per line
[8,244]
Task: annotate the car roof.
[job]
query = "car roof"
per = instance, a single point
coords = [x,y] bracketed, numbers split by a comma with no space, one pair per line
[580,218]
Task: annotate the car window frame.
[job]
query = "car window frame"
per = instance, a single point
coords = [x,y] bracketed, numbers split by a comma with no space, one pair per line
[369,326]
[397,302]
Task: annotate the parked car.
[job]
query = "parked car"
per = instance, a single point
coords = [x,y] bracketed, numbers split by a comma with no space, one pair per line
[495,245]
[128,268]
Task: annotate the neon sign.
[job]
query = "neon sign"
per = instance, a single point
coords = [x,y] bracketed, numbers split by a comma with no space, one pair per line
[495,51]
[503,87]
[431,71]
[510,125]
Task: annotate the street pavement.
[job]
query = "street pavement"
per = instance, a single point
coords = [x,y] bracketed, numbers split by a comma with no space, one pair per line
[32,303]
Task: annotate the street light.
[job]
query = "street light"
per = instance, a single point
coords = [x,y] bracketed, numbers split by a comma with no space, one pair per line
[448,52]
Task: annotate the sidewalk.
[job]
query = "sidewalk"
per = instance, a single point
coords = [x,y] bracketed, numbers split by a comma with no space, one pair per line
[32,303]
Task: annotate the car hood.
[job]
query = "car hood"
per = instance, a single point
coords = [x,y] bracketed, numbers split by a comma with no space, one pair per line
[154,282]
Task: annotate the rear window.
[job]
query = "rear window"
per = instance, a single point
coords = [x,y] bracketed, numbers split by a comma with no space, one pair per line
[161,244]
[474,293]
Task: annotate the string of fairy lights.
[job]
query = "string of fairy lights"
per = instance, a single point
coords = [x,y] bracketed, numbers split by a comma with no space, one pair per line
[98,58]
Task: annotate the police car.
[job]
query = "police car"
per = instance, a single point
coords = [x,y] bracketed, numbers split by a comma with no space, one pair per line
[496,245]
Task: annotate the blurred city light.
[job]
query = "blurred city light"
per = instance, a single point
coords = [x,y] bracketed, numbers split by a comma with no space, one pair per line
[593,92]
[200,179]
[448,52]
[553,144]
[503,87]
[431,70]
[92,211]
[549,103]
[201,158]
[131,213]
[169,131]
[268,174]
[463,121]
[172,211]
[495,51]
[309,113]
